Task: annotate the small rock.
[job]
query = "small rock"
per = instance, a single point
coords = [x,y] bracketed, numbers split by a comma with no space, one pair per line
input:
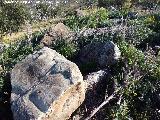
[80,13]
[59,32]
[93,78]
[46,86]
[96,83]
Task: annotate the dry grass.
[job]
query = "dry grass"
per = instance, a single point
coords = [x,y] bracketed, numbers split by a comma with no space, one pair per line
[24,31]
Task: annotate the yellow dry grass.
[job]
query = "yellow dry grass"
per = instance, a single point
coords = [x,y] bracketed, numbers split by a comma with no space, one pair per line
[21,34]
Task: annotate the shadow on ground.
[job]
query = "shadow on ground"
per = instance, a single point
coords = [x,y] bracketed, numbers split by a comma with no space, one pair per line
[5,95]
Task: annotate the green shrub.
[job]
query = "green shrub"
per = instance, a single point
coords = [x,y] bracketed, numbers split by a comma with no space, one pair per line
[137,75]
[72,22]
[45,11]
[149,4]
[12,16]
[153,22]
[115,14]
[136,32]
[97,19]
[67,49]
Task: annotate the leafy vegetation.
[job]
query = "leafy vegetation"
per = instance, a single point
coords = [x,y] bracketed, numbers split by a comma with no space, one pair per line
[138,71]
[12,16]
[95,20]
[140,77]
[66,49]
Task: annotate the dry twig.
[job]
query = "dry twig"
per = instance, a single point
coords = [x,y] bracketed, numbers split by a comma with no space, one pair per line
[99,107]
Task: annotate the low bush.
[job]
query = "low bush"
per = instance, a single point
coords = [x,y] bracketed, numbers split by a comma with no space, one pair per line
[67,49]
[44,11]
[98,19]
[137,32]
[149,4]
[153,22]
[12,16]
[139,79]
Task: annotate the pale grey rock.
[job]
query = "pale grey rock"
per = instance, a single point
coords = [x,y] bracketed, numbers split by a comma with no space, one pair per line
[46,86]
[96,83]
[94,78]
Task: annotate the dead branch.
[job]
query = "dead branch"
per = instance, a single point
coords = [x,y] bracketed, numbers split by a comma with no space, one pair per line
[99,107]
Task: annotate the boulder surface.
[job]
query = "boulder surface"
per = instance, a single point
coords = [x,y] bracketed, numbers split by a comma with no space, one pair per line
[96,83]
[46,86]
[56,33]
[100,53]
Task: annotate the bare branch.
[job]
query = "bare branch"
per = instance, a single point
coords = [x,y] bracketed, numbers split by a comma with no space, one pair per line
[99,107]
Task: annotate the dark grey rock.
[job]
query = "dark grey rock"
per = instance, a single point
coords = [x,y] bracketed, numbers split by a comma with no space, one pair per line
[100,53]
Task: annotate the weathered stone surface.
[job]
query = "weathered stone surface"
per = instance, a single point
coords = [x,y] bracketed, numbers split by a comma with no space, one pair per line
[46,86]
[100,53]
[95,93]
[60,31]
[94,78]
[96,83]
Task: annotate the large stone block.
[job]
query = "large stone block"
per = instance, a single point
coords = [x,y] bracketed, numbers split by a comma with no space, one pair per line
[46,86]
